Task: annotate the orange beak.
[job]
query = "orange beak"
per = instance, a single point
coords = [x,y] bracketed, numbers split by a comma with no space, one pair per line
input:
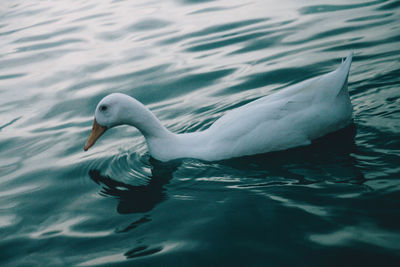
[97,131]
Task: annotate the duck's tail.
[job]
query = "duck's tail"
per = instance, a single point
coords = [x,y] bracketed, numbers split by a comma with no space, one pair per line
[344,70]
[347,63]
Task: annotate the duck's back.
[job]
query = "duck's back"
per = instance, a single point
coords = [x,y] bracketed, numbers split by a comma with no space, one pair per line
[292,117]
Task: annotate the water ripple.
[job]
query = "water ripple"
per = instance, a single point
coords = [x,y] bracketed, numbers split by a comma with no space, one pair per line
[190,62]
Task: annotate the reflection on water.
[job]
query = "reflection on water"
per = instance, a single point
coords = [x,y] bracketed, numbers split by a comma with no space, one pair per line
[330,155]
[334,202]
[134,199]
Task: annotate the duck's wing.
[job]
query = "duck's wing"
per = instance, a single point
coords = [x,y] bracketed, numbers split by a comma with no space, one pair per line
[246,118]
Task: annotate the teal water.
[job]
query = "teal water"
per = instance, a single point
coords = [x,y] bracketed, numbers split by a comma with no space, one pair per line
[331,204]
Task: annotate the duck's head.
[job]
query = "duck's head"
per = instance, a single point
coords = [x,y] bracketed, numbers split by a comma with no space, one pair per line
[107,115]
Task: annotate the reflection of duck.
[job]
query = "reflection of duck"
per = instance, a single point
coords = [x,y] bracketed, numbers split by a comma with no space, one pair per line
[291,117]
[330,158]
[137,199]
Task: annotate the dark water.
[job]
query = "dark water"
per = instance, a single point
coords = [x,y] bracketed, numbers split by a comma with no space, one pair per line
[335,203]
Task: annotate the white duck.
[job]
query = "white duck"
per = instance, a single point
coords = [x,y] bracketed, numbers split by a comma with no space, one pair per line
[291,117]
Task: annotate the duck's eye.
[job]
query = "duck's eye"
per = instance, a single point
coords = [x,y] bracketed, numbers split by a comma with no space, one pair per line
[103,108]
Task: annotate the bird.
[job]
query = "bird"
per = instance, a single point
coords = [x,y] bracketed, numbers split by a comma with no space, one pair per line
[291,117]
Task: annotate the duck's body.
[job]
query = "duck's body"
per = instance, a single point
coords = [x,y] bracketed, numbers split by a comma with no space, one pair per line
[291,117]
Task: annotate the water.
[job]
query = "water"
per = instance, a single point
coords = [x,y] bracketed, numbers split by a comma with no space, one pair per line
[334,203]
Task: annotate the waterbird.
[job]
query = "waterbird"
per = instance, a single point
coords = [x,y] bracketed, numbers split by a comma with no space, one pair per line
[292,117]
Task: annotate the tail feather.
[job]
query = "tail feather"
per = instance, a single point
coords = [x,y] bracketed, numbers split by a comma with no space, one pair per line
[348,60]
[345,67]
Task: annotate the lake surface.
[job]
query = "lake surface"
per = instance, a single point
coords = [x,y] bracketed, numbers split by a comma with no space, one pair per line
[334,203]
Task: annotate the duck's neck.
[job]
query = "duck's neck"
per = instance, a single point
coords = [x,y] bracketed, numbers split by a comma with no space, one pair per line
[163,144]
[139,116]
